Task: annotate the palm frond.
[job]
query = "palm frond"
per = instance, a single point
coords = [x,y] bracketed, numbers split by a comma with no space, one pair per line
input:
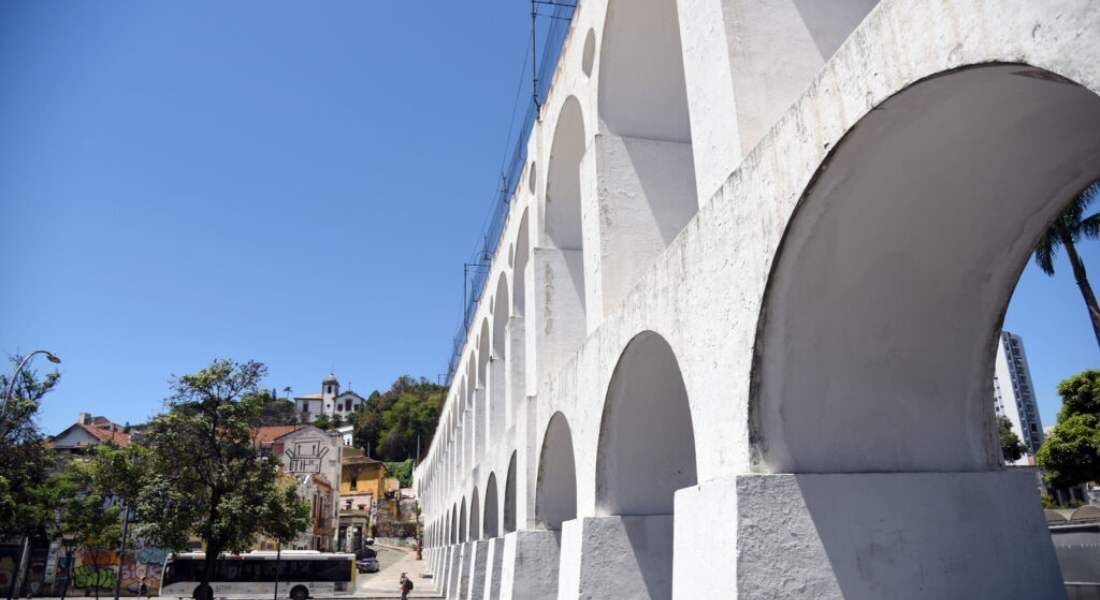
[1046,250]
[1090,226]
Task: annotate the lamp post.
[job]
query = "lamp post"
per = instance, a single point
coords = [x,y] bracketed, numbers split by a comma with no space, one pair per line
[15,377]
[20,575]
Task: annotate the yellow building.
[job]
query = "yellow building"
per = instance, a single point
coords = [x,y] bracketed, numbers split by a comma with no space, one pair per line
[365,485]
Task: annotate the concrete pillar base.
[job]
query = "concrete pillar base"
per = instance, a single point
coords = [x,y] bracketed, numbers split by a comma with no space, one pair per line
[864,536]
[617,557]
[530,565]
[475,588]
[494,561]
[454,572]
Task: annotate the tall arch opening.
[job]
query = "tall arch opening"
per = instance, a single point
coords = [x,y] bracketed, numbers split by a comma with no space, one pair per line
[473,395]
[885,304]
[498,363]
[882,316]
[517,353]
[454,524]
[491,524]
[483,397]
[462,531]
[643,153]
[561,267]
[647,442]
[646,453]
[510,496]
[475,516]
[556,487]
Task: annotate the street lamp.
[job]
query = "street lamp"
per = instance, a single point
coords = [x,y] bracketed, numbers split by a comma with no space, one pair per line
[20,575]
[15,376]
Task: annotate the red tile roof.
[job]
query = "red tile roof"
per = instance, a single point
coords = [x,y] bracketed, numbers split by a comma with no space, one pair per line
[264,436]
[107,435]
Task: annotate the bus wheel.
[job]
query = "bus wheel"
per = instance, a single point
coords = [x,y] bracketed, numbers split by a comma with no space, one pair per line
[203,592]
[299,593]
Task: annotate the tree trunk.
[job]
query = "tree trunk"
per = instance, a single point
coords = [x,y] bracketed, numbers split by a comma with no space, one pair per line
[1082,282]
[213,546]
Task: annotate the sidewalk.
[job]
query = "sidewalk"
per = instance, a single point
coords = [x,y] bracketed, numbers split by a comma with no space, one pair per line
[395,561]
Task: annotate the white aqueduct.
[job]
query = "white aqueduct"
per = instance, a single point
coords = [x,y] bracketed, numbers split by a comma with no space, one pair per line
[739,334]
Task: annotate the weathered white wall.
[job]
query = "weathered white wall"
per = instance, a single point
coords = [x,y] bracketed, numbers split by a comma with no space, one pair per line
[776,240]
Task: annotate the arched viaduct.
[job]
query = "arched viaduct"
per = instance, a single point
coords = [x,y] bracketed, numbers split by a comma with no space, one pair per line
[739,334]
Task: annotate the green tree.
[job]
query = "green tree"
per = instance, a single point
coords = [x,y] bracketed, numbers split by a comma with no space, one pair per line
[208,479]
[1066,231]
[322,422]
[275,410]
[87,517]
[25,462]
[1071,453]
[392,423]
[1011,446]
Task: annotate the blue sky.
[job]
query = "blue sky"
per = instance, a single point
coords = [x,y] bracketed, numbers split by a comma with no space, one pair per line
[294,183]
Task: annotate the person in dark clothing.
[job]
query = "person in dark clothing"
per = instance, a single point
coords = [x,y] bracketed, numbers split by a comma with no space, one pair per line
[406,587]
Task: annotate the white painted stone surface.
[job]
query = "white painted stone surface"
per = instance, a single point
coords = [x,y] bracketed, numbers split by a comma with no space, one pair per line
[530,569]
[478,554]
[867,535]
[616,557]
[787,315]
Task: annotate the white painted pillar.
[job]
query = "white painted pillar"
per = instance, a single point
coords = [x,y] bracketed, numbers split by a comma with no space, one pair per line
[558,322]
[637,194]
[475,587]
[864,536]
[745,63]
[516,362]
[530,566]
[494,563]
[627,558]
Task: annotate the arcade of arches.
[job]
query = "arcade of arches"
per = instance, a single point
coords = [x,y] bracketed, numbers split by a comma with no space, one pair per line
[739,337]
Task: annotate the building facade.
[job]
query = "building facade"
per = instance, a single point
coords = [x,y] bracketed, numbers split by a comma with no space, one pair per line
[312,457]
[1013,394]
[329,401]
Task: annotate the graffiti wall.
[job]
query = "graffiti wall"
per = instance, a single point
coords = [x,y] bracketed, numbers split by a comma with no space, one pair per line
[101,569]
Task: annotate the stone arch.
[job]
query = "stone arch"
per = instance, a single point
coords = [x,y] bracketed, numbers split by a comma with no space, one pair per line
[562,212]
[498,399]
[475,515]
[642,93]
[562,261]
[491,519]
[510,505]
[643,156]
[556,487]
[482,398]
[647,441]
[519,270]
[517,353]
[462,531]
[883,307]
[454,523]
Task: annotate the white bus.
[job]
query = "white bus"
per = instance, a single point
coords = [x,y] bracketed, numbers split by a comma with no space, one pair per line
[302,574]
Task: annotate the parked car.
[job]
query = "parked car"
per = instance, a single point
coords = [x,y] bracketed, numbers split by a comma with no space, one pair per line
[367,564]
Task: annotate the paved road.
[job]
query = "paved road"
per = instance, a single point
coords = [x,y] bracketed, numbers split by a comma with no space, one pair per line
[395,561]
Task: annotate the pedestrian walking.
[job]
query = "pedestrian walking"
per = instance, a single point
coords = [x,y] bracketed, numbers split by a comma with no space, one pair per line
[406,587]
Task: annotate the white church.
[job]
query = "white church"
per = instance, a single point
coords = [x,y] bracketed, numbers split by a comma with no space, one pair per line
[329,401]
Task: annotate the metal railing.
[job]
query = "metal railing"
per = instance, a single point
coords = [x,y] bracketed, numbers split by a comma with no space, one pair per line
[557,17]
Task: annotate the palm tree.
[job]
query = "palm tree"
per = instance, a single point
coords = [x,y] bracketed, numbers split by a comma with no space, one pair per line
[1066,230]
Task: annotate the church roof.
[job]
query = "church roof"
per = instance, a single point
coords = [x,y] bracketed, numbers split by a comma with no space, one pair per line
[331,379]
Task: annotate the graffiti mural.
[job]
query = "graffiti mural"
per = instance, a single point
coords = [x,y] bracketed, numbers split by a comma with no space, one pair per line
[144,563]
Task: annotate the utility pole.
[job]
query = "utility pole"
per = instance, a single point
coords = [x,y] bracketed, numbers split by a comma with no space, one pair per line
[534,60]
[122,551]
